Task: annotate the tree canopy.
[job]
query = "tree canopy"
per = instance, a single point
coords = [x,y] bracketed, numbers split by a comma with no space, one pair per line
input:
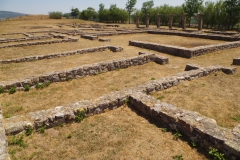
[129,7]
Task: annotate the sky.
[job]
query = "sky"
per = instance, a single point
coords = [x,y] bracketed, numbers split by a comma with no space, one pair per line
[64,6]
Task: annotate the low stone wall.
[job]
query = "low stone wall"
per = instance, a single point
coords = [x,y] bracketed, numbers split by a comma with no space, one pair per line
[40,43]
[197,128]
[91,37]
[182,51]
[62,54]
[7,40]
[197,35]
[236,61]
[82,71]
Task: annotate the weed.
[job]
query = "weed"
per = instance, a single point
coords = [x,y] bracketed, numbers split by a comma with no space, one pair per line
[69,136]
[7,116]
[42,129]
[17,140]
[215,74]
[194,144]
[160,98]
[203,85]
[216,155]
[12,90]
[1,90]
[29,130]
[43,85]
[177,135]
[178,157]
[80,115]
[68,79]
[26,88]
[127,100]
[236,117]
[164,129]
[61,125]
[153,79]
[118,69]
[12,152]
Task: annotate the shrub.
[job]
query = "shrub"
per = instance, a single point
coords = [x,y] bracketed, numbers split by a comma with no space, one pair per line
[1,90]
[42,129]
[80,115]
[55,15]
[26,88]
[29,130]
[12,90]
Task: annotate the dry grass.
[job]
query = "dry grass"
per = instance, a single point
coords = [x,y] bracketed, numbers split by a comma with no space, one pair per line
[80,89]
[22,70]
[117,134]
[215,96]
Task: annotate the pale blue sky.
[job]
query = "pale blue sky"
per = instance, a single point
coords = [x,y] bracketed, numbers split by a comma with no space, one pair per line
[45,6]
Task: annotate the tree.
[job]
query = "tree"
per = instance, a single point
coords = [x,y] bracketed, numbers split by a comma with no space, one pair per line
[191,7]
[91,13]
[146,6]
[55,15]
[75,12]
[129,7]
[233,12]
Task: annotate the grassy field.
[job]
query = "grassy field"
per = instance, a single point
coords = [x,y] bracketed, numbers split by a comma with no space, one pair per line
[118,134]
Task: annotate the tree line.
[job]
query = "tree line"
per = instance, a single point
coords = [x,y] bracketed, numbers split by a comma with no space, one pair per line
[222,14]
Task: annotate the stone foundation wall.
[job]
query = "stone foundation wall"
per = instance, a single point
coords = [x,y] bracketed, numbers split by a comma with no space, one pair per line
[182,51]
[82,71]
[236,61]
[7,40]
[197,128]
[40,43]
[62,54]
[197,35]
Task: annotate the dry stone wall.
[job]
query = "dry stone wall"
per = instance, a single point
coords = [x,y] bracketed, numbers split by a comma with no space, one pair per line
[40,43]
[62,54]
[85,70]
[236,61]
[197,35]
[197,128]
[182,51]
[7,40]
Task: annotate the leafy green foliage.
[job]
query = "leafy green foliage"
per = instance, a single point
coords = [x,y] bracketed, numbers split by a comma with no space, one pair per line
[80,115]
[28,130]
[75,12]
[1,90]
[177,135]
[177,157]
[26,88]
[146,6]
[12,90]
[216,155]
[236,117]
[43,85]
[129,7]
[42,129]
[55,15]
[17,140]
